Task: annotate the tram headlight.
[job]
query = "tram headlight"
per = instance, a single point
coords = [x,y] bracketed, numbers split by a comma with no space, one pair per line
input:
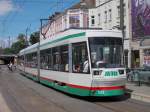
[97,72]
[121,72]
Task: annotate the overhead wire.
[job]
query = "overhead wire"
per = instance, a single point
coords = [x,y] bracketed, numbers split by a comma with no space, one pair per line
[55,6]
[9,18]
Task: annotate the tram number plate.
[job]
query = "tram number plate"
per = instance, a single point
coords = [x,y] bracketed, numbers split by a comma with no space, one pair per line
[111,73]
[100,92]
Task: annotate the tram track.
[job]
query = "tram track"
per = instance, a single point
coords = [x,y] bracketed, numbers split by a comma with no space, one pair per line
[8,95]
[22,98]
[113,104]
[23,95]
[112,109]
[124,106]
[40,95]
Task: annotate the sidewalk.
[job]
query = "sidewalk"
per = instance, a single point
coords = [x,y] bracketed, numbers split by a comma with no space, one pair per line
[141,93]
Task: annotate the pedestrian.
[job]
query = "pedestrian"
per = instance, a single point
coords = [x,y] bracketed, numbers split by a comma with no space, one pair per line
[10,66]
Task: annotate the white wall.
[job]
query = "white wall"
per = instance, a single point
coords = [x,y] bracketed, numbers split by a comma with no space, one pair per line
[107,16]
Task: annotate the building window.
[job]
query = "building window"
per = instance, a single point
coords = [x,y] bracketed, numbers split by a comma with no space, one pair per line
[118,8]
[126,58]
[146,57]
[74,21]
[99,19]
[93,20]
[124,6]
[125,32]
[110,15]
[105,16]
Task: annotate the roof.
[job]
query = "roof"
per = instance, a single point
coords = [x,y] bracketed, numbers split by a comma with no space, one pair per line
[84,4]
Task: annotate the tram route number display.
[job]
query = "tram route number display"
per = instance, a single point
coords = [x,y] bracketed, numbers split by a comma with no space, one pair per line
[111,73]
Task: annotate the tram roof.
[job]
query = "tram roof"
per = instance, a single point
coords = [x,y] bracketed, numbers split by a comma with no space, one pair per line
[72,31]
[28,48]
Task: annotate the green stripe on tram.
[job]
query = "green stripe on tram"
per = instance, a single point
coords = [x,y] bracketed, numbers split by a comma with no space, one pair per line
[83,92]
[61,39]
[65,38]
[78,91]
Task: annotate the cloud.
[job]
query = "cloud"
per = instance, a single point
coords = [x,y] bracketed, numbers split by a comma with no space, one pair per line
[6,6]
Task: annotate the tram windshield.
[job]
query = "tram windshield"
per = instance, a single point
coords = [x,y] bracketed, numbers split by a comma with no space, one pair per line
[106,52]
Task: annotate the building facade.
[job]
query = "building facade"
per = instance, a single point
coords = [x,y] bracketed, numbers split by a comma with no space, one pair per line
[106,15]
[74,17]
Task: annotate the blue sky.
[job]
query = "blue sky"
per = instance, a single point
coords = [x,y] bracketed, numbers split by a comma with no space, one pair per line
[17,15]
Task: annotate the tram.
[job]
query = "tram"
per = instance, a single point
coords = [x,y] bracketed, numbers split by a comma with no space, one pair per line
[84,62]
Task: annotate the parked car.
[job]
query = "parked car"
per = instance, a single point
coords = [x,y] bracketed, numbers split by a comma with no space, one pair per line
[139,74]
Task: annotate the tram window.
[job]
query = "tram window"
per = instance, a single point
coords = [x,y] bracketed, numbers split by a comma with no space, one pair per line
[46,61]
[21,60]
[60,58]
[34,60]
[31,60]
[80,58]
[56,58]
[49,56]
[64,67]
[42,59]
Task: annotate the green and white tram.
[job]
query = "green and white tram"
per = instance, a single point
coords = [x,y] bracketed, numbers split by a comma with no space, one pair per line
[84,62]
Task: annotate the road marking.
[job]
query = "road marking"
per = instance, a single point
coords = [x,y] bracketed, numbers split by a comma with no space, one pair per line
[3,105]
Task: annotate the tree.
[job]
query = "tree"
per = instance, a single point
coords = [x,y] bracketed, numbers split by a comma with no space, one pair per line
[34,37]
[21,37]
[19,44]
[8,51]
[16,46]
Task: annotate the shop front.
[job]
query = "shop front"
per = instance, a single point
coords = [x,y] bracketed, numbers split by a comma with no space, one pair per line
[146,60]
[145,53]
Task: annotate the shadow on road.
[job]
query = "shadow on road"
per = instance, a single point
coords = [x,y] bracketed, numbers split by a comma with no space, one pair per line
[95,99]
[102,99]
[108,99]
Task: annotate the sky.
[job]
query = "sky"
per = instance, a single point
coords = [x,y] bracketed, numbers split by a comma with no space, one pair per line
[18,15]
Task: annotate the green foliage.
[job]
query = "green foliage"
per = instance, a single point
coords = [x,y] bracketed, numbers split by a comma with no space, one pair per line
[34,37]
[18,45]
[7,51]
[21,37]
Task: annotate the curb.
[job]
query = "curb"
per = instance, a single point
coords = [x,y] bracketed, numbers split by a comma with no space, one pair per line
[138,96]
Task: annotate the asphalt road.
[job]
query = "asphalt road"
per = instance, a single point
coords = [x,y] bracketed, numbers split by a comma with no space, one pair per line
[20,94]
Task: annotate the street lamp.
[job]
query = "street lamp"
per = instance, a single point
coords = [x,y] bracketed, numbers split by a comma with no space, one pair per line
[38,48]
[122,25]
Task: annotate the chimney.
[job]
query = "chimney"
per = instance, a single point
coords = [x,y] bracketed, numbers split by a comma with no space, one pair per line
[90,3]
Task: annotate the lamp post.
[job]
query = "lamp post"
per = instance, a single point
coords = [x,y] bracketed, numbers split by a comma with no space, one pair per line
[38,48]
[26,36]
[122,25]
